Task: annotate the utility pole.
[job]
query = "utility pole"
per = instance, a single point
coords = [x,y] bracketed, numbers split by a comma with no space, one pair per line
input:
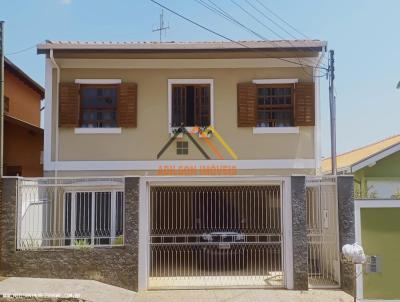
[161,27]
[332,106]
[1,96]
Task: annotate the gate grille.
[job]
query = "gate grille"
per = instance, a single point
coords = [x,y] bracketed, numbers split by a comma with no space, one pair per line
[215,236]
[322,232]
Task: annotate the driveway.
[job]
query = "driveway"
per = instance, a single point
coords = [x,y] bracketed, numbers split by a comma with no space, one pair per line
[94,291]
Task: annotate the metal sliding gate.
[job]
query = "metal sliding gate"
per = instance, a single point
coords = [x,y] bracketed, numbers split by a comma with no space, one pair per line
[322,232]
[215,236]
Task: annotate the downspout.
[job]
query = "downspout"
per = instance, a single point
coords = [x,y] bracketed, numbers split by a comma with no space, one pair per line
[57,113]
[317,130]
[55,226]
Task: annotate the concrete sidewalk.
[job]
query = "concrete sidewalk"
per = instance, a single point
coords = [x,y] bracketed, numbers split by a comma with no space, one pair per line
[94,291]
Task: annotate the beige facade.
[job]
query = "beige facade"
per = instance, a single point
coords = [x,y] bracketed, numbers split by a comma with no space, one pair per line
[151,74]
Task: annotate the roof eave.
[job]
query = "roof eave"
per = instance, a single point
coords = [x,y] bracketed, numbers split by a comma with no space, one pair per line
[24,77]
[374,157]
[199,50]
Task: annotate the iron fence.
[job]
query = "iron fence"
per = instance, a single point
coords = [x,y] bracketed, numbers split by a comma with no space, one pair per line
[70,212]
[322,231]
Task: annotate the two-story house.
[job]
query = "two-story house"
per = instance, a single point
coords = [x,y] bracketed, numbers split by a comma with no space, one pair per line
[112,107]
[175,164]
[23,136]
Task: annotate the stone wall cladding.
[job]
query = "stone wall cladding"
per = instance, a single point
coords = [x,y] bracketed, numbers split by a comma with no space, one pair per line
[113,265]
[345,189]
[299,232]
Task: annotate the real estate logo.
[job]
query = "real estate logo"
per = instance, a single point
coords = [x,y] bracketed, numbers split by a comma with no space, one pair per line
[205,133]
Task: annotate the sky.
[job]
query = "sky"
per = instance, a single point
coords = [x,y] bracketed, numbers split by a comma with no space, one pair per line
[363,33]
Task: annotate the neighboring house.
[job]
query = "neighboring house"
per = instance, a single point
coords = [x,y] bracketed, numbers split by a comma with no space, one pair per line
[378,230]
[215,134]
[119,104]
[376,168]
[23,136]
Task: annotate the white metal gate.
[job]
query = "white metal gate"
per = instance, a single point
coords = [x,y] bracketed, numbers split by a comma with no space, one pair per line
[322,232]
[212,236]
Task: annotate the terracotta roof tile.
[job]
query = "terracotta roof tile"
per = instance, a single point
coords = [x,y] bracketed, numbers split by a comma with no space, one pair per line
[347,159]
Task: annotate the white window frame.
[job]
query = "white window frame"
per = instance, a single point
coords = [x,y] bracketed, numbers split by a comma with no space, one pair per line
[94,130]
[98,81]
[275,81]
[114,193]
[188,82]
[275,130]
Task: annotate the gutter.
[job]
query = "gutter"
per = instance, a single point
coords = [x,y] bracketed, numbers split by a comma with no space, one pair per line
[57,114]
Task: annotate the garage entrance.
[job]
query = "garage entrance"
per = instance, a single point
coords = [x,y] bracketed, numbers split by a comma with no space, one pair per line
[215,236]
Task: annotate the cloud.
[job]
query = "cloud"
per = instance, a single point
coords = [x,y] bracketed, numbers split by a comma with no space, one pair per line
[65,2]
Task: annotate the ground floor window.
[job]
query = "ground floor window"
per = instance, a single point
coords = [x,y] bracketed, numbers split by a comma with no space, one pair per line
[94,218]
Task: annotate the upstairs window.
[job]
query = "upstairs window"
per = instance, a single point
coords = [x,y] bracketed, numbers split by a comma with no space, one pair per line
[190,105]
[275,106]
[98,106]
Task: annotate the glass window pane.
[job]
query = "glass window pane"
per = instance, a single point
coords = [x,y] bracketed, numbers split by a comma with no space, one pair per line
[96,101]
[102,224]
[83,218]
[274,110]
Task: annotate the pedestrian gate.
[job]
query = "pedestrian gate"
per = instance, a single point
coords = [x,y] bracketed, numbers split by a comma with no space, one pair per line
[215,236]
[322,232]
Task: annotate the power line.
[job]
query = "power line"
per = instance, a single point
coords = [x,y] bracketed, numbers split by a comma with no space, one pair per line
[282,20]
[20,51]
[270,19]
[223,14]
[256,19]
[222,36]
[271,30]
[275,23]
[220,11]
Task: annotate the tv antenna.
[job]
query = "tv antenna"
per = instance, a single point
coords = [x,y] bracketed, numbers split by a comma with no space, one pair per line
[162,27]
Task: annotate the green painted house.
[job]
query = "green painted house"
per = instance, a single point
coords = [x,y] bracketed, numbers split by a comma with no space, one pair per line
[376,169]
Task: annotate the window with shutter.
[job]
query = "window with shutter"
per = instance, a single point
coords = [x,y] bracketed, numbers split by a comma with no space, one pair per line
[98,106]
[276,105]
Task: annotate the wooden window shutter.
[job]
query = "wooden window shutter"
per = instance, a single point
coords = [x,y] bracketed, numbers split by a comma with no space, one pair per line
[127,105]
[304,104]
[68,105]
[246,105]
